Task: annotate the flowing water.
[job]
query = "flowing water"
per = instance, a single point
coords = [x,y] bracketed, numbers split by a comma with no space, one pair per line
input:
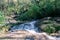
[26,26]
[29,26]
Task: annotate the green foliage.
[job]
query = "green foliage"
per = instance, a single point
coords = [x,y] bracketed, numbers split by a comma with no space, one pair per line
[57,27]
[49,26]
[32,13]
[2,18]
[49,29]
[31,10]
[4,29]
[37,10]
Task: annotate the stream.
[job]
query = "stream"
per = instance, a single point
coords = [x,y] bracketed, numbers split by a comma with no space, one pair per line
[29,26]
[26,26]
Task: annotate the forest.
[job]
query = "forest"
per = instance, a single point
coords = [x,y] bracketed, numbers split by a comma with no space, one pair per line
[15,12]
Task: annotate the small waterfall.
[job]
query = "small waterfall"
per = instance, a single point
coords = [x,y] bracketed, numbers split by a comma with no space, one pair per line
[30,28]
[26,26]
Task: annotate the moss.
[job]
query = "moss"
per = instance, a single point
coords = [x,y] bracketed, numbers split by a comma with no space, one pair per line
[49,26]
[4,29]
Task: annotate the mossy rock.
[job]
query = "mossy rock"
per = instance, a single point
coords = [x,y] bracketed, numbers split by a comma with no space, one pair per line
[49,26]
[4,29]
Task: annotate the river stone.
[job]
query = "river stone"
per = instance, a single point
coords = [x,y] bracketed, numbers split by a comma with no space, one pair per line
[27,35]
[51,22]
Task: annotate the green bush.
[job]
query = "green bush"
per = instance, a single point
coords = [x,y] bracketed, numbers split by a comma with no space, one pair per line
[33,9]
[38,10]
[2,18]
[32,13]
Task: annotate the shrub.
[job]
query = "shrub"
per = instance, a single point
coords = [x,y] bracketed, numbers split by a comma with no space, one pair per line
[2,19]
[38,10]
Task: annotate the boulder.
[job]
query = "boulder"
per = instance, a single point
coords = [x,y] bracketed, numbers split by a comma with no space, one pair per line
[31,35]
[49,24]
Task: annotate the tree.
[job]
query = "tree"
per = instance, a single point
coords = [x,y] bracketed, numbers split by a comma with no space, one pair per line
[41,8]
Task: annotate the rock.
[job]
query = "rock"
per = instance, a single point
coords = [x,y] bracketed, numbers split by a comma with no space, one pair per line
[59,31]
[57,19]
[49,24]
[27,34]
[55,34]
